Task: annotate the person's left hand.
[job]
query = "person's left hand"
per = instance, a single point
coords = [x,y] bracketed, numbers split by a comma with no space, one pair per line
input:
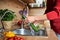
[30,19]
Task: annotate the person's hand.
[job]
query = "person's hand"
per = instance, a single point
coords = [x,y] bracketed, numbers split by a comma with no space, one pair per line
[30,19]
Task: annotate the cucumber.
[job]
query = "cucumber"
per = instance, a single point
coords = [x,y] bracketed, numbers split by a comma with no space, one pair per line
[33,27]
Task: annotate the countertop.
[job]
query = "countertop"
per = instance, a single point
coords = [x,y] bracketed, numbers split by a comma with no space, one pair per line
[51,36]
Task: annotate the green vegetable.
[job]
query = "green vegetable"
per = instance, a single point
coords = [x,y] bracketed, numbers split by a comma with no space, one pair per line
[38,27]
[23,17]
[8,16]
[34,28]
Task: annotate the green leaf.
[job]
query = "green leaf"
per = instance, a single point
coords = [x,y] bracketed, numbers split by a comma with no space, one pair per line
[8,16]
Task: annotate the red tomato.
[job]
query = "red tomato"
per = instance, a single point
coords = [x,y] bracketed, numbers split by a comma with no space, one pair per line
[19,22]
[15,38]
[21,38]
[10,38]
[18,38]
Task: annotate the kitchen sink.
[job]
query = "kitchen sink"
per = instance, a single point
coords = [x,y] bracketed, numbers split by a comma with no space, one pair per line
[41,32]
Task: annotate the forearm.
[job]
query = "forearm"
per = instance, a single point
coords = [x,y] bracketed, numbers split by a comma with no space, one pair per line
[41,17]
[34,18]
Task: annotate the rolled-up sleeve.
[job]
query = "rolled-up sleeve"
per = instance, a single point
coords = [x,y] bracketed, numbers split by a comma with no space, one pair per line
[52,15]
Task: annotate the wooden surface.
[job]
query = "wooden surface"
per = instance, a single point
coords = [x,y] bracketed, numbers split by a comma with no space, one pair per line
[15,6]
[29,1]
[36,11]
[52,35]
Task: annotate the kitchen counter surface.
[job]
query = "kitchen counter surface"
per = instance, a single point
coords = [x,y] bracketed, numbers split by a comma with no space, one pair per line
[51,36]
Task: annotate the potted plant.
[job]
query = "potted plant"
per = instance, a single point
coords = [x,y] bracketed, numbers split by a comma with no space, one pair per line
[7,18]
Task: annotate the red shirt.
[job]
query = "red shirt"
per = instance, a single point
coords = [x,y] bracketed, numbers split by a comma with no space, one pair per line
[52,16]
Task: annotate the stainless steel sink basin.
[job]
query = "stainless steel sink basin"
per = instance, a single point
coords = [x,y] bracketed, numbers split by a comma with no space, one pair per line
[42,33]
[23,32]
[39,33]
[31,33]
